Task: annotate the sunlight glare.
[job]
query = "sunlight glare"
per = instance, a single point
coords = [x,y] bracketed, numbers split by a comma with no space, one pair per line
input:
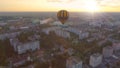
[91,6]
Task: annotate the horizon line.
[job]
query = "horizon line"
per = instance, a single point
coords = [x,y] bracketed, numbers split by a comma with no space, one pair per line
[57,11]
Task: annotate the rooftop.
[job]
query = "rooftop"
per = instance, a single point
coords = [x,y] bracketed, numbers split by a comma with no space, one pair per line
[96,55]
[74,59]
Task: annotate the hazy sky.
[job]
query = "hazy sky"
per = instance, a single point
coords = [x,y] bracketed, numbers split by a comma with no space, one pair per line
[55,5]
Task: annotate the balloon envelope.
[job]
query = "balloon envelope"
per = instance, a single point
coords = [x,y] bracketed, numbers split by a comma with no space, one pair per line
[63,15]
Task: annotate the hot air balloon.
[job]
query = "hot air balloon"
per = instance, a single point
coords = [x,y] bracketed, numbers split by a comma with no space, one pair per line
[63,15]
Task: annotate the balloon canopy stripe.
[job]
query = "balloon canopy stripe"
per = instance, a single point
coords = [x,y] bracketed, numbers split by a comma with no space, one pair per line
[63,16]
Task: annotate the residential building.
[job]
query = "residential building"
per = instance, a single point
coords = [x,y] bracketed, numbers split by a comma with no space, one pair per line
[18,60]
[95,60]
[73,62]
[62,33]
[116,46]
[58,31]
[108,51]
[29,46]
[9,35]
[21,48]
[83,35]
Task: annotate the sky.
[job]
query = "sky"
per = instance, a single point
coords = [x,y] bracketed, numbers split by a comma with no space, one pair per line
[56,5]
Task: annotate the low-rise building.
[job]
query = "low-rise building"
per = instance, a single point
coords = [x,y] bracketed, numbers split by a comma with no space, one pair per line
[95,60]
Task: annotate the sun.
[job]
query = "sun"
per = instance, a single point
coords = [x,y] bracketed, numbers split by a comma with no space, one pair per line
[91,6]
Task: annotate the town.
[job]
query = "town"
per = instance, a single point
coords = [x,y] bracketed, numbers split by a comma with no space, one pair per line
[43,42]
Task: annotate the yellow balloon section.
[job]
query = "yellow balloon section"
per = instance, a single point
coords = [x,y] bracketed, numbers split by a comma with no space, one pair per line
[63,15]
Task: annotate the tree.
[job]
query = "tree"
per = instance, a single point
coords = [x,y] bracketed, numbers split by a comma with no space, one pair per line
[3,53]
[42,65]
[107,43]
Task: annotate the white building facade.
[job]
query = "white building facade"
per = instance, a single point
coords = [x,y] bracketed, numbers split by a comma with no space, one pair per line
[8,35]
[58,31]
[21,48]
[31,46]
